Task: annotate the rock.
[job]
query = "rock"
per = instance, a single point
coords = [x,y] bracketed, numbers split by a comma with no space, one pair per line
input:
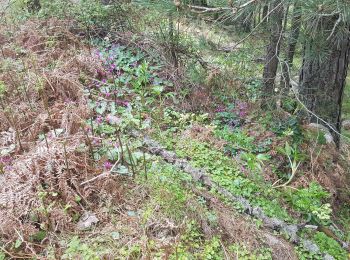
[346,124]
[311,247]
[87,220]
[329,138]
[319,127]
[292,232]
[327,134]
[328,257]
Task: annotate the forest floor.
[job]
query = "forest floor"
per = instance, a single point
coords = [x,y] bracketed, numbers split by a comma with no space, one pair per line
[77,183]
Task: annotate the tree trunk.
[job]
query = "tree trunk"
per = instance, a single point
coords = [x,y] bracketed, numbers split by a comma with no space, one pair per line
[271,61]
[265,12]
[172,39]
[292,43]
[294,34]
[322,78]
[285,19]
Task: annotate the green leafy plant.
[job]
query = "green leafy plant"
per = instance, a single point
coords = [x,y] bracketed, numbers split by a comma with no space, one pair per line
[78,250]
[236,140]
[254,162]
[224,171]
[309,201]
[3,89]
[178,121]
[193,246]
[304,254]
[330,246]
[288,127]
[294,159]
[242,252]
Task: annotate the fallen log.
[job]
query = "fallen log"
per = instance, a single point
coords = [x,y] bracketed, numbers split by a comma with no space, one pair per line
[200,175]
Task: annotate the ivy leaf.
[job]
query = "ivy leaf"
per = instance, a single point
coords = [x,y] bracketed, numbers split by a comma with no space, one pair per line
[157,89]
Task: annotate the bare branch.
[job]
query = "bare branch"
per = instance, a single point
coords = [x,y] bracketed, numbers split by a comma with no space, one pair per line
[204,9]
[335,27]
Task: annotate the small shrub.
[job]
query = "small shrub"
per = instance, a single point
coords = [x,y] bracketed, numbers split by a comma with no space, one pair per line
[309,201]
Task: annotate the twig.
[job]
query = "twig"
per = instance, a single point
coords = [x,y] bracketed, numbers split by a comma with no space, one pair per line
[144,164]
[25,256]
[131,160]
[47,144]
[103,174]
[65,155]
[253,30]
[296,95]
[334,27]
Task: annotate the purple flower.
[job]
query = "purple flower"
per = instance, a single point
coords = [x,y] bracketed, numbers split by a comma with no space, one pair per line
[5,159]
[122,103]
[220,109]
[242,113]
[113,120]
[241,109]
[8,168]
[107,165]
[88,129]
[99,120]
[96,141]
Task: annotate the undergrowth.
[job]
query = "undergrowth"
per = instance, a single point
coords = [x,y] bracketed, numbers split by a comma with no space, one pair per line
[68,111]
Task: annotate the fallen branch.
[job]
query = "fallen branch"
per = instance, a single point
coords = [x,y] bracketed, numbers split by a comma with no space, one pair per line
[205,9]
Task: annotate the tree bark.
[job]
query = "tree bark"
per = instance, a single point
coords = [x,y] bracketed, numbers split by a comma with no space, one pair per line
[322,78]
[271,61]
